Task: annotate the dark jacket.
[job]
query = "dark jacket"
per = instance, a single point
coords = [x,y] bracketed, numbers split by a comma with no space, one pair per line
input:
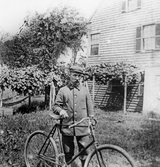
[77,103]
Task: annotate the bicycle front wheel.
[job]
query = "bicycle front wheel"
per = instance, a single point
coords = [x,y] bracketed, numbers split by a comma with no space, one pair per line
[109,156]
[48,155]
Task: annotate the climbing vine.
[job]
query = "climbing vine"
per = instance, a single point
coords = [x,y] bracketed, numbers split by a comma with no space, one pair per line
[28,80]
[105,72]
[32,81]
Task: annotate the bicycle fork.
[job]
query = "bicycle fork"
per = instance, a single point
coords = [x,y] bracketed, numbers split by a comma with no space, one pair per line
[100,159]
[99,154]
[42,151]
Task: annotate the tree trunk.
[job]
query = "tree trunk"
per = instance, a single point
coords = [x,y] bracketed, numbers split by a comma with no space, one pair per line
[29,102]
[47,91]
[74,56]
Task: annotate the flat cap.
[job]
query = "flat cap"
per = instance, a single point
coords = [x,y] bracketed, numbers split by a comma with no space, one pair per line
[76,69]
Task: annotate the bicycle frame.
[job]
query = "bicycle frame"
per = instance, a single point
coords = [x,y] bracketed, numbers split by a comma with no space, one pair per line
[57,128]
[52,154]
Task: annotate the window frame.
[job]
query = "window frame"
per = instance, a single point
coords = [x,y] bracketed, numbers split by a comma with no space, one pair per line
[94,48]
[141,38]
[94,43]
[126,8]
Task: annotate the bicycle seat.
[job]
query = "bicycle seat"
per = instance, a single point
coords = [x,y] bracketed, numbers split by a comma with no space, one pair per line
[55,116]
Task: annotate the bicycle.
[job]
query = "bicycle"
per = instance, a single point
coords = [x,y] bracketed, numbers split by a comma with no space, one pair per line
[46,150]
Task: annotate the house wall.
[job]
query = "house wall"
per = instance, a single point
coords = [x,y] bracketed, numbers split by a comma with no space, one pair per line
[118,32]
[118,36]
[152,90]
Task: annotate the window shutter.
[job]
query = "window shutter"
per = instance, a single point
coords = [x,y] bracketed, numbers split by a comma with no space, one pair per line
[123,6]
[138,39]
[138,3]
[138,32]
[158,29]
[157,39]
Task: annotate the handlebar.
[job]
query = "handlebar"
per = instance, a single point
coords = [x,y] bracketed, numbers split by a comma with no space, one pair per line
[87,118]
[92,121]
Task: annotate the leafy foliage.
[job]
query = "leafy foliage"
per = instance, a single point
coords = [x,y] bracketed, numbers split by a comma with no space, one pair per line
[15,132]
[44,37]
[32,80]
[15,53]
[11,145]
[105,72]
[28,80]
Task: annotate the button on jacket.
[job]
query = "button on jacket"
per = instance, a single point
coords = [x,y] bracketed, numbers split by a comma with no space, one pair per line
[77,103]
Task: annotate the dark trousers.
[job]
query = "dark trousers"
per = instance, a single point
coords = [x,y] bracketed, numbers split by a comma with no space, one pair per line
[69,146]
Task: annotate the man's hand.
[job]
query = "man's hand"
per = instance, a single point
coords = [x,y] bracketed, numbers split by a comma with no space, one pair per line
[63,114]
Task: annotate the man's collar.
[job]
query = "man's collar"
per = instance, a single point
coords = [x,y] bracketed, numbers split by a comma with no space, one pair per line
[71,86]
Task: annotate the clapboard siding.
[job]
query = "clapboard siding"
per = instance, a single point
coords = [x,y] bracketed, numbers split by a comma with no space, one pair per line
[120,29]
[117,42]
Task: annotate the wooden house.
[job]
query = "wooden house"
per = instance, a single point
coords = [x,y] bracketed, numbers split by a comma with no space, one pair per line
[128,30]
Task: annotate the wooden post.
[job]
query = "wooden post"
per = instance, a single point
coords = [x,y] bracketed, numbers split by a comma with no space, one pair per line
[93,90]
[125,94]
[86,85]
[52,95]
[1,98]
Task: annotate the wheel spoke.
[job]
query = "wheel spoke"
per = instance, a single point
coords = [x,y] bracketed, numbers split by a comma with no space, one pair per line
[48,156]
[110,157]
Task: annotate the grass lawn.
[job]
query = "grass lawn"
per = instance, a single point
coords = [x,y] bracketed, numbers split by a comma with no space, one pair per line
[135,133]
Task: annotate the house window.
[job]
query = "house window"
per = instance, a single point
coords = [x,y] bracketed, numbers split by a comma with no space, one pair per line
[95,44]
[148,37]
[130,5]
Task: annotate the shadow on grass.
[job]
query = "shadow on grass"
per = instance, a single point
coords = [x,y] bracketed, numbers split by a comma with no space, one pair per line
[34,107]
[112,108]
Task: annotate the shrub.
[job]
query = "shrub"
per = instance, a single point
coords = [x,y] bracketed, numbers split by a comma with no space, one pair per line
[16,130]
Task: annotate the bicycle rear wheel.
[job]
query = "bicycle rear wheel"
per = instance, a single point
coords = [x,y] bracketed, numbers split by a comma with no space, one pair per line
[109,156]
[48,155]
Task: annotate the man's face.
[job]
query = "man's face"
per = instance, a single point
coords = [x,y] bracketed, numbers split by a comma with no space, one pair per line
[75,77]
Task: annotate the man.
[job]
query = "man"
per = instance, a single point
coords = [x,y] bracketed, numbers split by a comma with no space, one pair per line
[73,102]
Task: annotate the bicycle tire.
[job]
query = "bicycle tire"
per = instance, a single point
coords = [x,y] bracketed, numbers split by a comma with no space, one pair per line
[113,156]
[32,146]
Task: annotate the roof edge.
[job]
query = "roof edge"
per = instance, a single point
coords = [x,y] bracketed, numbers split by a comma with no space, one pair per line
[89,20]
